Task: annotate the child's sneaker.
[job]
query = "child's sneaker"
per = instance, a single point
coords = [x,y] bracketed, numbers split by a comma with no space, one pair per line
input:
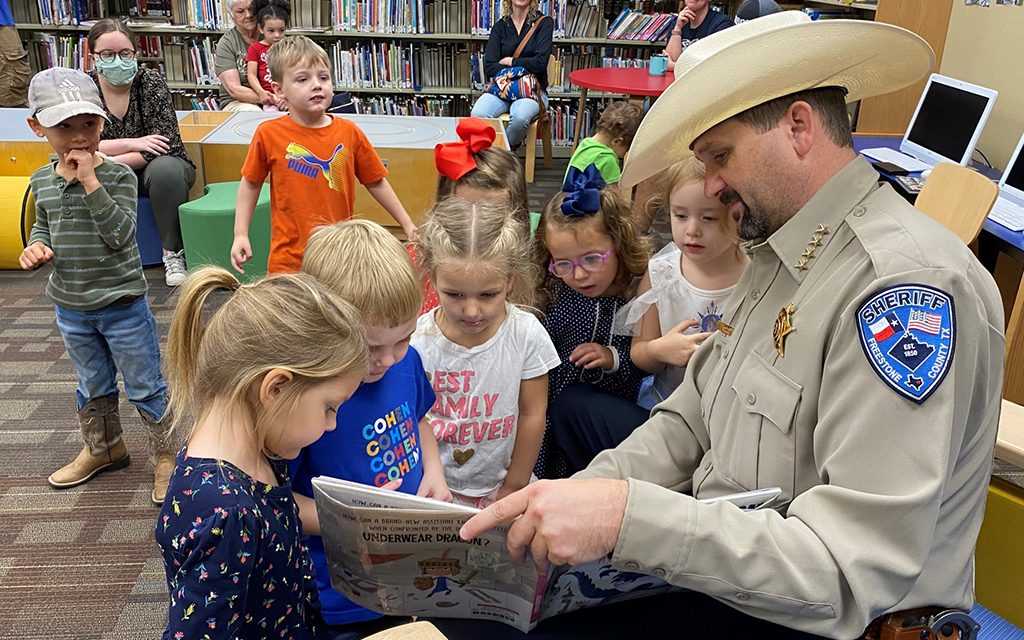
[174,268]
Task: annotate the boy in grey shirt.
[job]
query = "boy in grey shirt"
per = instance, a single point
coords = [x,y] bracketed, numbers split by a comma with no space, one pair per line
[85,225]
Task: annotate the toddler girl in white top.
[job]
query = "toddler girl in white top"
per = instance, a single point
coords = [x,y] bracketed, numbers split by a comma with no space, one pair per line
[682,296]
[488,360]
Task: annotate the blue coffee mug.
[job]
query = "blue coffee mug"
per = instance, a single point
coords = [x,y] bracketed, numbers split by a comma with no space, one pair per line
[658,65]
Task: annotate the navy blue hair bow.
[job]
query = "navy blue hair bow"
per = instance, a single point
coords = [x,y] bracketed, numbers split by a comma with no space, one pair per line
[582,191]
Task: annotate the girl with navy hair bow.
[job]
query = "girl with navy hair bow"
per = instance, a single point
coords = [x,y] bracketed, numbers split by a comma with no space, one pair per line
[590,252]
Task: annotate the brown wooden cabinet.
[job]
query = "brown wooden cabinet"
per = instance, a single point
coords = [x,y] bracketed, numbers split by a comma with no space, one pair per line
[927,18]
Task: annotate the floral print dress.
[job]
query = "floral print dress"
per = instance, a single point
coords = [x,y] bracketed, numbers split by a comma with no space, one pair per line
[235,563]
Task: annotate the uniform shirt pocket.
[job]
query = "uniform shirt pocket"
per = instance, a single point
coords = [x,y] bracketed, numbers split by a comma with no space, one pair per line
[755,445]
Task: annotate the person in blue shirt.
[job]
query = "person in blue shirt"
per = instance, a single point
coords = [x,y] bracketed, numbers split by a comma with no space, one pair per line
[697,20]
[381,439]
[14,68]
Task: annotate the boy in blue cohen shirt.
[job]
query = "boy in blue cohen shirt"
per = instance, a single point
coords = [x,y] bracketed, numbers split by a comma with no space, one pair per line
[381,435]
[85,224]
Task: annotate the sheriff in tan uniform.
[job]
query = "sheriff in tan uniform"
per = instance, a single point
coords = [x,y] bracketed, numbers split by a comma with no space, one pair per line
[889,492]
[858,367]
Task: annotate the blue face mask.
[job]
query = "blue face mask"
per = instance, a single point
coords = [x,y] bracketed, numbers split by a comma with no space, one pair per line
[117,71]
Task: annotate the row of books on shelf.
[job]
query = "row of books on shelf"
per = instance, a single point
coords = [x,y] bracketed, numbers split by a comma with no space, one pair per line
[390,65]
[637,25]
[572,18]
[438,106]
[566,59]
[185,100]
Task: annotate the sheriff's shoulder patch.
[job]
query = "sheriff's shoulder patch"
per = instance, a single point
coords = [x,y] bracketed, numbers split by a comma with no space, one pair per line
[908,333]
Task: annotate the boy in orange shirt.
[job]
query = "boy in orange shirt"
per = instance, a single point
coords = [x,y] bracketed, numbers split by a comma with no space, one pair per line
[313,160]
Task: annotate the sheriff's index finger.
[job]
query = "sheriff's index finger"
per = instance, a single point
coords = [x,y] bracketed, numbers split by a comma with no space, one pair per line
[505,510]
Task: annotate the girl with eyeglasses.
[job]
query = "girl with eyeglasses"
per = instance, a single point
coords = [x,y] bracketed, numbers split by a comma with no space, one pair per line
[590,252]
[488,359]
[142,132]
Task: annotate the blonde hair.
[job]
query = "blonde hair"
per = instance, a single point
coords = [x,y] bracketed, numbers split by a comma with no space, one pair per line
[481,234]
[368,267]
[293,51]
[506,7]
[615,218]
[496,170]
[290,322]
[682,173]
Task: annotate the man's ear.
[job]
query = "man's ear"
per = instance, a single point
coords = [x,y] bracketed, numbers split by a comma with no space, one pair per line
[802,125]
[272,384]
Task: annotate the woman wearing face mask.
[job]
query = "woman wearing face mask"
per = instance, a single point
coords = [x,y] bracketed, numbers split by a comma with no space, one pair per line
[142,132]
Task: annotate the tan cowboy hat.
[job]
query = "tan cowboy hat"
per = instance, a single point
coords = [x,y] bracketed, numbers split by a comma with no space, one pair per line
[759,60]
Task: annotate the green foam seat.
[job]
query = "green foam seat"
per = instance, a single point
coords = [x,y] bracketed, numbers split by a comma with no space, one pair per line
[208,229]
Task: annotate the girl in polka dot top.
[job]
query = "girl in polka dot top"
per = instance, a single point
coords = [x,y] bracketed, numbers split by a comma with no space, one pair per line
[590,252]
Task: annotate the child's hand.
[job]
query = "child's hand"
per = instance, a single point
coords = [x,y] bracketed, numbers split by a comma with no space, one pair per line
[241,252]
[675,347]
[434,486]
[590,355]
[156,144]
[412,232]
[35,255]
[83,164]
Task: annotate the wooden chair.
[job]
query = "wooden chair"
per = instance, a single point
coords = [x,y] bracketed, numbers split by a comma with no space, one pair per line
[539,127]
[959,198]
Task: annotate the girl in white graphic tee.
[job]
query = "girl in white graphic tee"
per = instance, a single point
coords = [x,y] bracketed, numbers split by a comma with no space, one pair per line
[688,283]
[487,359]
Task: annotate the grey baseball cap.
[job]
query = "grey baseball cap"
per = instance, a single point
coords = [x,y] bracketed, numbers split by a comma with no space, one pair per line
[57,94]
[752,9]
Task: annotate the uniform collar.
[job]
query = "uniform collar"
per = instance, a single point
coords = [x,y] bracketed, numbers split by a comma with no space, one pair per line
[806,234]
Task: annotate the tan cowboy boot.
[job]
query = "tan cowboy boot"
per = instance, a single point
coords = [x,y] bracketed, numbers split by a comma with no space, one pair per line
[163,461]
[104,449]
[161,477]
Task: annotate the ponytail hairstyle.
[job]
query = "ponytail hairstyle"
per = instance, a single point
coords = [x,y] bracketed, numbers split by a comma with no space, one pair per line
[474,162]
[613,215]
[290,322]
[263,10]
[479,235]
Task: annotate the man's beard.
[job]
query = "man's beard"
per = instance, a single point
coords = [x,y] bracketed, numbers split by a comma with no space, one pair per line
[751,225]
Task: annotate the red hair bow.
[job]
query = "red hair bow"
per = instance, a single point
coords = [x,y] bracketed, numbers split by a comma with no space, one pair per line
[455,159]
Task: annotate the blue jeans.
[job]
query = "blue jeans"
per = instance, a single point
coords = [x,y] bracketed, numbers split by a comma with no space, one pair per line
[116,337]
[521,114]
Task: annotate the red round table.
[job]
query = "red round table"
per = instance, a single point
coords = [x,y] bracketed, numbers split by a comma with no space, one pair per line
[632,82]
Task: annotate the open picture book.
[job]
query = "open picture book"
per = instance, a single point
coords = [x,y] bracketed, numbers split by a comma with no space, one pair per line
[400,554]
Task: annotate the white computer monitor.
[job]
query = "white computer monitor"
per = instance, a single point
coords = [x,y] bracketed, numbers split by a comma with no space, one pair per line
[1011,185]
[948,121]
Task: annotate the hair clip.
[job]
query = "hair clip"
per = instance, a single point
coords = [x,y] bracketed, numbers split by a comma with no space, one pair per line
[582,191]
[455,159]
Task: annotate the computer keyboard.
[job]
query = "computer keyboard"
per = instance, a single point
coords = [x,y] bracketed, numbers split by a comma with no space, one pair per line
[885,154]
[1008,214]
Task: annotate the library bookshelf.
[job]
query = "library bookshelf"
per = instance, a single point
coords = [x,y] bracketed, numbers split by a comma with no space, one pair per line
[400,57]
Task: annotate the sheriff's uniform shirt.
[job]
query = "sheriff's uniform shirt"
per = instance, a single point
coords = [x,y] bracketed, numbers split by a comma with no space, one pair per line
[878,423]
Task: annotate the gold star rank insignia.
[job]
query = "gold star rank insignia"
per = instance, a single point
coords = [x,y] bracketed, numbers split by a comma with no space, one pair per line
[783,327]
